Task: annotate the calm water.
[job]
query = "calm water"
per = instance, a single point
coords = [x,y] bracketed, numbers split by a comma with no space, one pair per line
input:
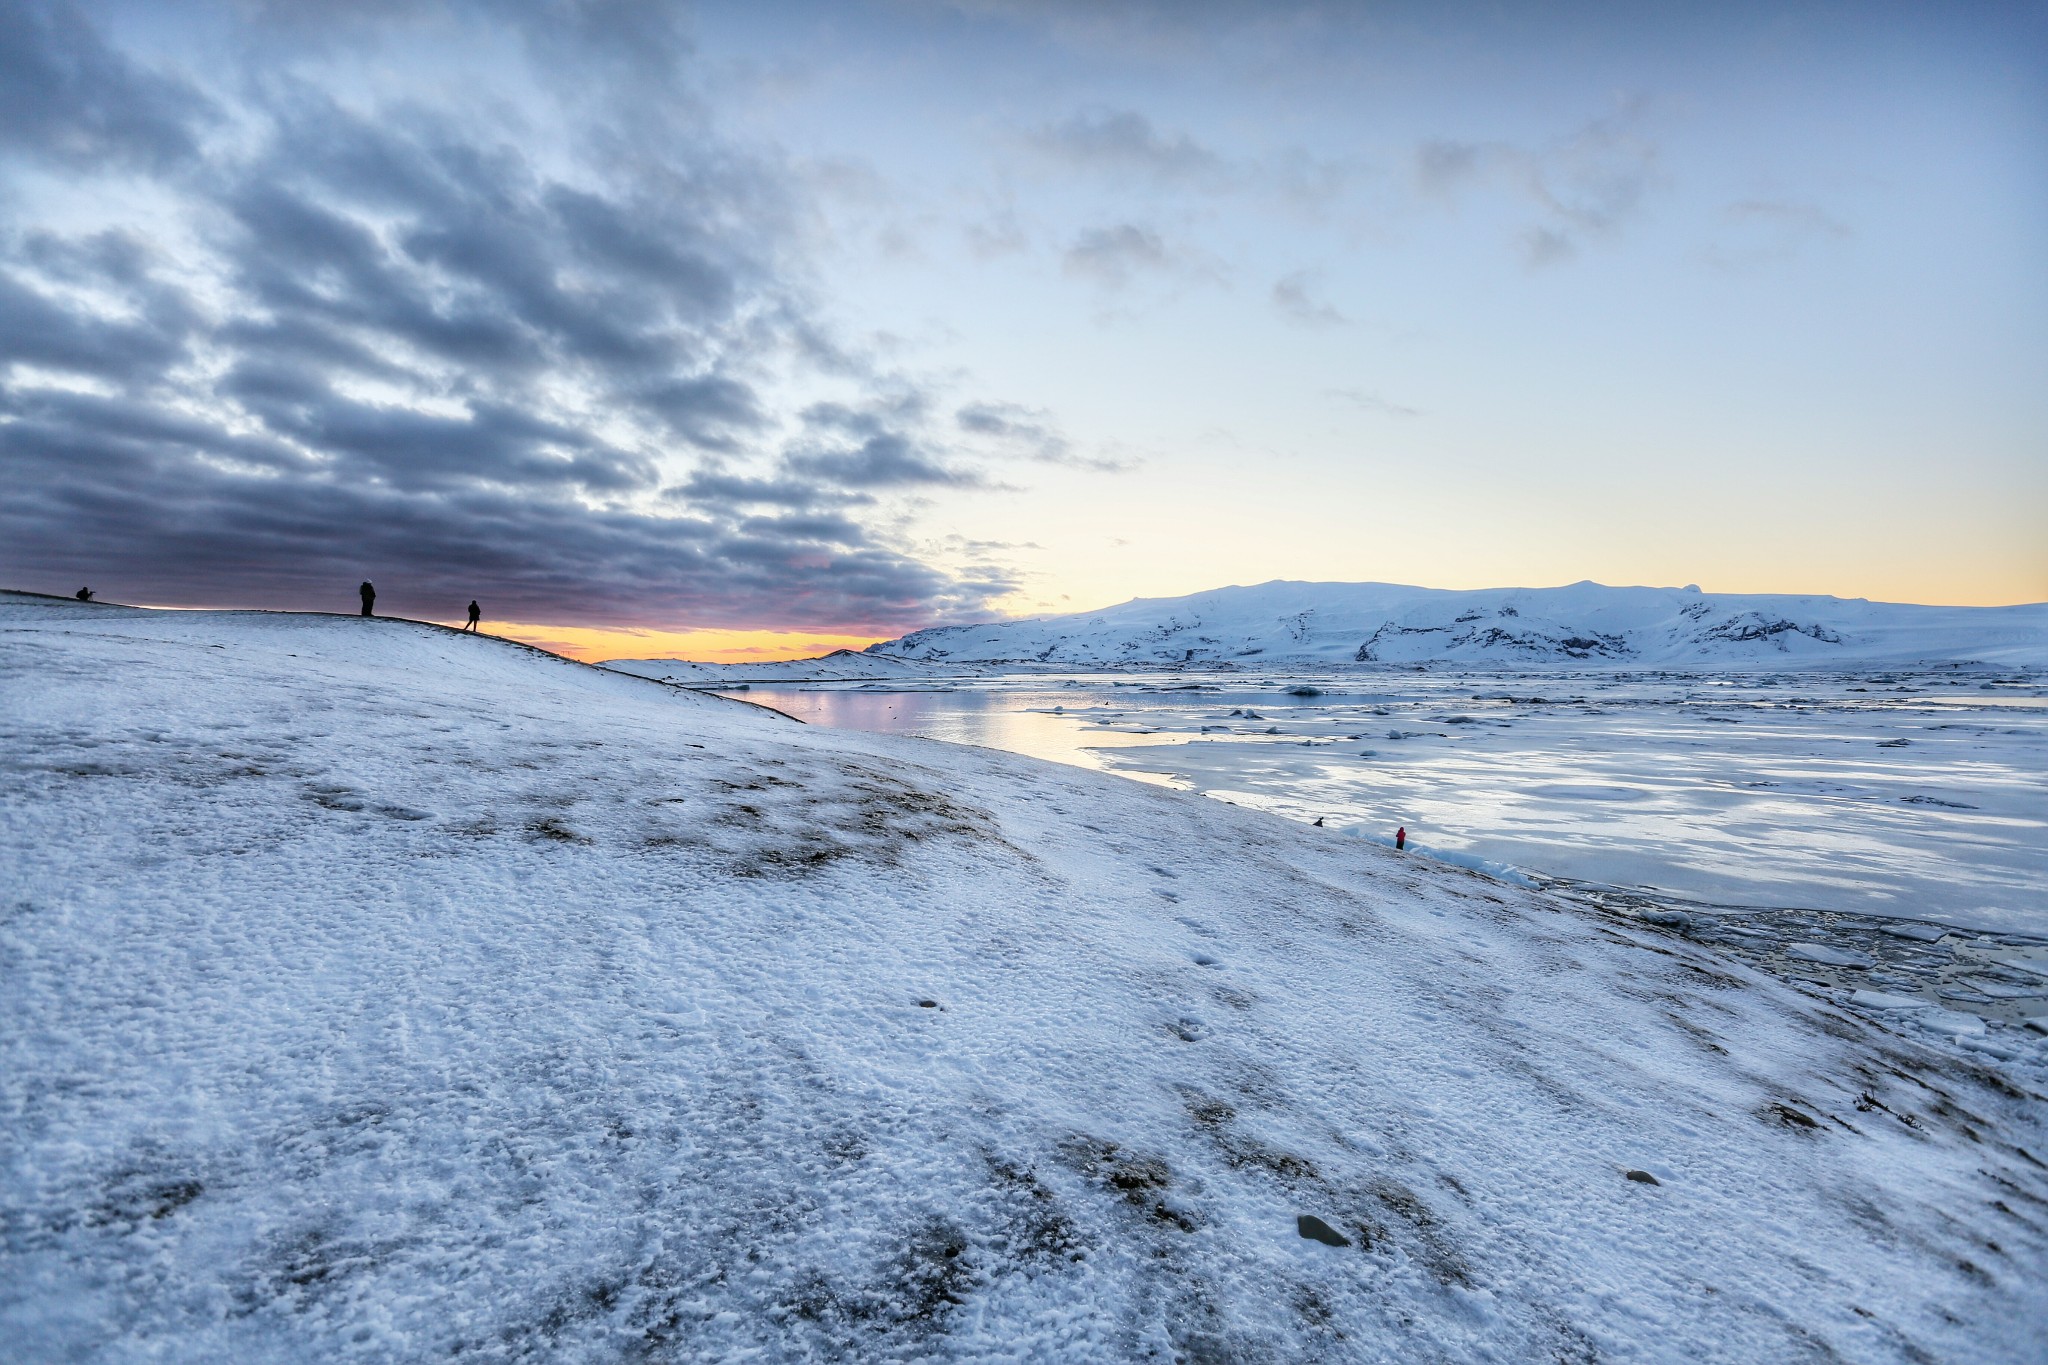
[1915,796]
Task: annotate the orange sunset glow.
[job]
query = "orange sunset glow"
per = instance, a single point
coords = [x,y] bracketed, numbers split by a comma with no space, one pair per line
[595,644]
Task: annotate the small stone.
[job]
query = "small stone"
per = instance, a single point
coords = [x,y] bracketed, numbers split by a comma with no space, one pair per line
[1644,1178]
[927,1004]
[1316,1230]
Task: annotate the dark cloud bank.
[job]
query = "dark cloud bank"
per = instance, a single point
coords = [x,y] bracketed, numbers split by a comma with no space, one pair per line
[403,341]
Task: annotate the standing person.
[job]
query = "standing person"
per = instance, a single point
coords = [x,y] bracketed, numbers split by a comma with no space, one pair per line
[476,614]
[1401,837]
[369,596]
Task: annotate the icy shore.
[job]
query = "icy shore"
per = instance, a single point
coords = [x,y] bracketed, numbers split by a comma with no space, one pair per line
[371,991]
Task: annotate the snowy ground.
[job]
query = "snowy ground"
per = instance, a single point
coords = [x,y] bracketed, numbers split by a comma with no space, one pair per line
[371,991]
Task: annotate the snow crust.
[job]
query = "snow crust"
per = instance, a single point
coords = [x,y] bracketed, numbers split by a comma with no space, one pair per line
[1582,624]
[368,991]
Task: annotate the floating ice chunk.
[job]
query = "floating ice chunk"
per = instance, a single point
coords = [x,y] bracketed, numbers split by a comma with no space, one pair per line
[1831,957]
[1952,1022]
[1920,933]
[1885,1000]
[2001,990]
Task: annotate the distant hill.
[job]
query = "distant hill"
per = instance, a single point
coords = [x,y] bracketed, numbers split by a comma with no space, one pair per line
[1582,625]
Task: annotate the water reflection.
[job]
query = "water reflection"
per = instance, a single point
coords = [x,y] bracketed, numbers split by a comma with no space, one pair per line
[1019,721]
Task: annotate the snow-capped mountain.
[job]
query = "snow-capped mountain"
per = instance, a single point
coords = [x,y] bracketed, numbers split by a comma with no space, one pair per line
[1584,624]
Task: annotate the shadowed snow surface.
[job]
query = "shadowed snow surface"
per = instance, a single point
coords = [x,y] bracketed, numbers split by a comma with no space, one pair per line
[372,991]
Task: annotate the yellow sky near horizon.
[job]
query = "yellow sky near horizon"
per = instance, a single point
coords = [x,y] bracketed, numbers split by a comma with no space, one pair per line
[595,644]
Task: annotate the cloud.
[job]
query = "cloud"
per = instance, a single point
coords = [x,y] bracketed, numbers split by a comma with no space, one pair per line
[876,448]
[1016,425]
[1165,31]
[884,460]
[405,336]
[1759,232]
[1125,149]
[1015,430]
[1112,257]
[1371,402]
[998,233]
[1792,216]
[713,487]
[1123,142]
[161,528]
[43,327]
[1582,187]
[1291,296]
[66,96]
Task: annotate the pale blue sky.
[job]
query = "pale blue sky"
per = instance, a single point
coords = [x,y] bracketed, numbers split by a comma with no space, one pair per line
[1759,300]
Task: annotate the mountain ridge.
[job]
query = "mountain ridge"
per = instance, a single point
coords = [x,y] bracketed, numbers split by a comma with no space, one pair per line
[1578,624]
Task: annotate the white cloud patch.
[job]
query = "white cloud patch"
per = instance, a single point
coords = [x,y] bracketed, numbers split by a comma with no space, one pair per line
[1581,187]
[1294,295]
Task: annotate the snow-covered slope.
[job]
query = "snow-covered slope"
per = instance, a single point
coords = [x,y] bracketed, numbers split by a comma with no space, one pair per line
[841,665]
[1589,624]
[370,991]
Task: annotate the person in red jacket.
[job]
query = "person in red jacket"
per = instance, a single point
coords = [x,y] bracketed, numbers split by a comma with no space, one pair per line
[1401,837]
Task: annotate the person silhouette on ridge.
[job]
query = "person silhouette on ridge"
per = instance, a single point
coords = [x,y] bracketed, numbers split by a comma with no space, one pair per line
[83,594]
[369,596]
[476,614]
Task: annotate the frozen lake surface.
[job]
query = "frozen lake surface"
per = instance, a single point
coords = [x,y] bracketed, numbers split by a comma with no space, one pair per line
[1908,795]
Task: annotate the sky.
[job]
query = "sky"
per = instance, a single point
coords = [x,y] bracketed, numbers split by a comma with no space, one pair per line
[745,330]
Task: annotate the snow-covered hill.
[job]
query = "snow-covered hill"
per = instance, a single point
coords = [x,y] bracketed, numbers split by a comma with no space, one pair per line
[370,991]
[1585,624]
[841,665]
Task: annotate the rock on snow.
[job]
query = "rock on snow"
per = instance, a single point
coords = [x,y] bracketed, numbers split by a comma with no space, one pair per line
[376,992]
